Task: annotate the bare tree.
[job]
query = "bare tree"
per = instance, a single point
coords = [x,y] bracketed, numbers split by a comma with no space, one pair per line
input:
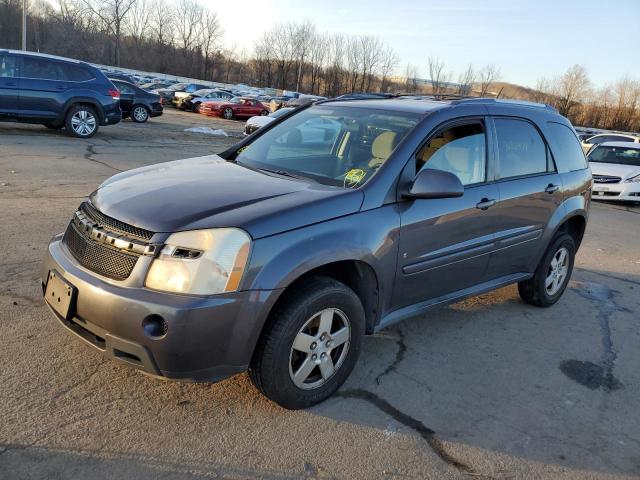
[189,13]
[210,33]
[411,80]
[388,63]
[488,75]
[466,80]
[570,87]
[437,74]
[138,21]
[112,14]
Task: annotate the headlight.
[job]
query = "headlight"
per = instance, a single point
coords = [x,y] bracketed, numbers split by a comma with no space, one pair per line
[201,262]
[633,179]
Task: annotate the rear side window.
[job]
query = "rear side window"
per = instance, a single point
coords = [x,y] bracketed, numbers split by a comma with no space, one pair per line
[567,149]
[521,150]
[75,73]
[7,66]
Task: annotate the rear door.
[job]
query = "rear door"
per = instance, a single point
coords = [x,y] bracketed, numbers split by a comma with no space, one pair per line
[445,244]
[43,88]
[8,86]
[530,191]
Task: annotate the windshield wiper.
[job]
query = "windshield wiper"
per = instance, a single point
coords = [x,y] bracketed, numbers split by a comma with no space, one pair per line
[285,173]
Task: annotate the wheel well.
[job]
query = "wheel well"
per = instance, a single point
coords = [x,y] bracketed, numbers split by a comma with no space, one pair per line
[85,103]
[575,227]
[357,275]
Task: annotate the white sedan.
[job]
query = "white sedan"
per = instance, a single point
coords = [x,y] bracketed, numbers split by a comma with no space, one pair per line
[616,171]
[254,123]
[607,137]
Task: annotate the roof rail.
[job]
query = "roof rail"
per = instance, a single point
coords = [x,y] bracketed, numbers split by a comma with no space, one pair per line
[524,103]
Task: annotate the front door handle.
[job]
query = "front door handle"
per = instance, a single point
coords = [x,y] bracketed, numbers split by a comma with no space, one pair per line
[551,188]
[485,203]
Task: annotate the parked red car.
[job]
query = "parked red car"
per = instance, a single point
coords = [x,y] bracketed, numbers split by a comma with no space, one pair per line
[237,107]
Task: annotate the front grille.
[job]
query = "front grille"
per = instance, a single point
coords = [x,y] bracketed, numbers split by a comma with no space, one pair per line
[114,225]
[98,257]
[606,179]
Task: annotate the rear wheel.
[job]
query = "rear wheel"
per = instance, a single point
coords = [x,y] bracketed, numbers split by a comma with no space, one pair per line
[311,344]
[228,113]
[552,275]
[81,121]
[196,107]
[264,113]
[139,113]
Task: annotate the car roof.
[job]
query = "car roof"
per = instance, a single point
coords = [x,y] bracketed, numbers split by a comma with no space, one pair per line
[616,134]
[429,105]
[41,55]
[620,144]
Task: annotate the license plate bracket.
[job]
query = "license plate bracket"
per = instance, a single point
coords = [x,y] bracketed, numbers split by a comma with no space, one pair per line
[60,295]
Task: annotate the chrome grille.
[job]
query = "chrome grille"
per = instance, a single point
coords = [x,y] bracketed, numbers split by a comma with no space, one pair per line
[114,225]
[98,257]
[606,179]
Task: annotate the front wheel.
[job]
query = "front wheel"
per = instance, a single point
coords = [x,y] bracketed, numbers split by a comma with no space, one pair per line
[264,113]
[139,114]
[81,121]
[228,113]
[552,275]
[311,344]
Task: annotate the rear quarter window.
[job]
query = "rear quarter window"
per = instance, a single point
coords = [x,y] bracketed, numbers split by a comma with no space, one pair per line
[76,73]
[567,150]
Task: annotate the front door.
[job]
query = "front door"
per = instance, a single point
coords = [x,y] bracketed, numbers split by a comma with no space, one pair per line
[8,86]
[445,243]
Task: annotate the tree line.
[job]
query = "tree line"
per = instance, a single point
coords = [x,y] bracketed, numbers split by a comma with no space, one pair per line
[184,38]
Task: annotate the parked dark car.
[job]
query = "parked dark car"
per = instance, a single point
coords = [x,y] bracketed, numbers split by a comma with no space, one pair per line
[156,85]
[168,93]
[193,101]
[120,76]
[136,103]
[56,92]
[188,90]
[282,252]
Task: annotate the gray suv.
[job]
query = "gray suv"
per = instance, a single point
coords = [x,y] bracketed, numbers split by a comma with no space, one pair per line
[340,219]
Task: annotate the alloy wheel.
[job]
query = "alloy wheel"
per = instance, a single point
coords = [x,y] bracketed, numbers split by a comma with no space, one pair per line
[558,269]
[83,123]
[228,113]
[140,114]
[319,348]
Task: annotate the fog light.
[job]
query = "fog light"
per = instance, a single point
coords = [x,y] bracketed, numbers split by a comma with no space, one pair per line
[155,326]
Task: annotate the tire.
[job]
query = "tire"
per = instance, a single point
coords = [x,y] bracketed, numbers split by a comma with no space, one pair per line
[535,290]
[196,107]
[81,121]
[228,113]
[276,362]
[53,126]
[264,113]
[139,113]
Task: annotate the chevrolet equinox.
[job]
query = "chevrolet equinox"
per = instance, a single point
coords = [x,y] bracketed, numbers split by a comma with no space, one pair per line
[337,220]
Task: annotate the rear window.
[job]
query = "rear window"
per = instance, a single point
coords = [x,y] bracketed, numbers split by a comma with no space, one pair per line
[7,66]
[567,150]
[75,73]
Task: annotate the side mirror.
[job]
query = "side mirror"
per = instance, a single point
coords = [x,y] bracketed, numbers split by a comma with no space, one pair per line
[435,184]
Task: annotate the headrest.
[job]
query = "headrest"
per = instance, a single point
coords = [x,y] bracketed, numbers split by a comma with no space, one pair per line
[383,145]
[455,155]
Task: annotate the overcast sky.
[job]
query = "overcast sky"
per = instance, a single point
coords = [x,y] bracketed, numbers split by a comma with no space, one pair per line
[526,39]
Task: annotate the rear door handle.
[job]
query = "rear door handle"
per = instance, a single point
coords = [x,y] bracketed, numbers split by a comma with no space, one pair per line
[551,188]
[485,203]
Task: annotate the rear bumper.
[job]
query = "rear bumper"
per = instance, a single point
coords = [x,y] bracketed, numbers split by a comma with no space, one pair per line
[207,338]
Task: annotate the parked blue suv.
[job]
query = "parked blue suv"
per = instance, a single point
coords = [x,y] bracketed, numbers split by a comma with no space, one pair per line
[56,92]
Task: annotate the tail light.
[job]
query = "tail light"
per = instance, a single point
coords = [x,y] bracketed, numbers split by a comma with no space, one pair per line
[114,93]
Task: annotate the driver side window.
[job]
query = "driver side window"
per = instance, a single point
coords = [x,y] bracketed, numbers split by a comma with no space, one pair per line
[459,149]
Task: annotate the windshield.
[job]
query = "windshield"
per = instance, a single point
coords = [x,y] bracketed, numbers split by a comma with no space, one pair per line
[342,146]
[619,155]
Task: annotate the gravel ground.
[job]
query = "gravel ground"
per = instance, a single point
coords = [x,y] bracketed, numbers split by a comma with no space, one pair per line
[486,388]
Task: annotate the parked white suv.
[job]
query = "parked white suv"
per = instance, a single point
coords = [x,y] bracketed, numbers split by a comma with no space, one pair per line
[607,137]
[616,171]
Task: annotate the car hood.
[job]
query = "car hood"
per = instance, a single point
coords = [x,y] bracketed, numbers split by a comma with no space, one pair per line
[614,169]
[260,120]
[209,192]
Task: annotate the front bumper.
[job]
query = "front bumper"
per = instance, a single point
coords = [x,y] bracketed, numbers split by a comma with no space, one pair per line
[623,191]
[208,338]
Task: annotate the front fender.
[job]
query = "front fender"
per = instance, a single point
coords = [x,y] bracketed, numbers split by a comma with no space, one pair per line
[370,237]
